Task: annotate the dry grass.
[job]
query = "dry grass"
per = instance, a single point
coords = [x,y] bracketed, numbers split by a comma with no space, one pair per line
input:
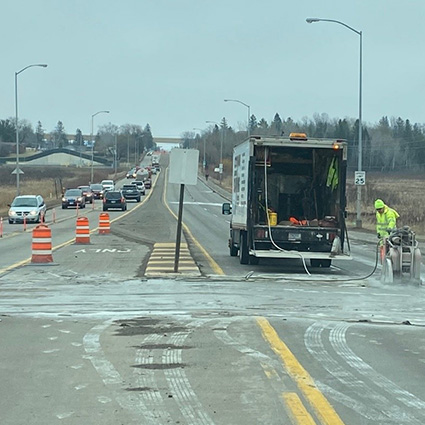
[405,194]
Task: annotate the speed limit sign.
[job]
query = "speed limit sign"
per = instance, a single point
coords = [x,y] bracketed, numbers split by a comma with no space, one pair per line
[360,178]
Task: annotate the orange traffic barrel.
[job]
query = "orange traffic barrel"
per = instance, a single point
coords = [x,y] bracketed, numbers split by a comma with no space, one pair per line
[41,244]
[104,226]
[82,232]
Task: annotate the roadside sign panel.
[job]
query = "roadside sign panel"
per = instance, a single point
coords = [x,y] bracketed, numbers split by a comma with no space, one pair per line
[360,178]
[184,166]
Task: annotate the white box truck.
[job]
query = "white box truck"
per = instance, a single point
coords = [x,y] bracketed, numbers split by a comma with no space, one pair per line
[288,199]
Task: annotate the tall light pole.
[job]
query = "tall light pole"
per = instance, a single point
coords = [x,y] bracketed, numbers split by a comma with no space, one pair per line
[92,141]
[17,170]
[360,150]
[249,112]
[115,155]
[203,162]
[220,166]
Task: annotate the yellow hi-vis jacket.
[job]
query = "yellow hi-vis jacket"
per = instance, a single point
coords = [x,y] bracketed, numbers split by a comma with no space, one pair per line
[332,179]
[386,221]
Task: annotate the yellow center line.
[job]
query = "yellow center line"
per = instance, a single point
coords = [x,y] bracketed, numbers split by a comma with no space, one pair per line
[217,269]
[297,411]
[321,406]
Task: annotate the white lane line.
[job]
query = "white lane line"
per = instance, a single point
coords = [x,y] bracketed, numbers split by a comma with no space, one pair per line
[111,377]
[339,343]
[54,350]
[211,204]
[183,393]
[147,382]
[64,415]
[356,386]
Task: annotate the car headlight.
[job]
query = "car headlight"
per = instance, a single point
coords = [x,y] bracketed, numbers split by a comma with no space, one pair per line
[79,199]
[63,199]
[12,213]
[33,212]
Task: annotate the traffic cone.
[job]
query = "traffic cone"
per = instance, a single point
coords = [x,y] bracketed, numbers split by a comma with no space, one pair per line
[41,244]
[104,226]
[82,232]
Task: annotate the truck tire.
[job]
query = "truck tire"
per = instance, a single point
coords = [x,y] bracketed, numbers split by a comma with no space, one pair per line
[243,249]
[233,249]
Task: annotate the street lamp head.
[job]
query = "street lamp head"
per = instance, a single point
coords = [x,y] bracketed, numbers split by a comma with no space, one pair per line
[44,65]
[311,20]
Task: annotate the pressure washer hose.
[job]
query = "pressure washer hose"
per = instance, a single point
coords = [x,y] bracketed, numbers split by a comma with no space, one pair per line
[268,219]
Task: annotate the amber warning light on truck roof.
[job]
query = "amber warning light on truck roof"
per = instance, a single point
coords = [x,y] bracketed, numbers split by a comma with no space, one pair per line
[298,136]
[337,144]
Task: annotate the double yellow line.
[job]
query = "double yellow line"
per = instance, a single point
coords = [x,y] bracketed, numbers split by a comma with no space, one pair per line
[318,402]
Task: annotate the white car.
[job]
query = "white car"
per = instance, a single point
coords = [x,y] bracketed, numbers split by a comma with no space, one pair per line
[108,185]
[30,207]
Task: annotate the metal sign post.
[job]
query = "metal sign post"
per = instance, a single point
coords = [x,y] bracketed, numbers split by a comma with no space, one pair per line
[183,170]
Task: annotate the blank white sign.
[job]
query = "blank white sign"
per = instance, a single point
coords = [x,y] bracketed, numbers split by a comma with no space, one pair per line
[184,166]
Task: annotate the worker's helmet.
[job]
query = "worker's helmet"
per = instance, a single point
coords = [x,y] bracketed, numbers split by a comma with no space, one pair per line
[379,203]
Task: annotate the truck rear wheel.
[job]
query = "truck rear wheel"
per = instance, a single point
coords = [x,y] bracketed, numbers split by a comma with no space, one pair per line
[233,250]
[243,249]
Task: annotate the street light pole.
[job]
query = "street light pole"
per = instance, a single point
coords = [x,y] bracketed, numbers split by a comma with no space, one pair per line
[360,147]
[249,113]
[115,156]
[92,142]
[17,170]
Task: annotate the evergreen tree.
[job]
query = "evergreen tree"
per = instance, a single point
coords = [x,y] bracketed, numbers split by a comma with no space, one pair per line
[59,135]
[276,126]
[223,124]
[253,123]
[39,134]
[79,139]
[148,137]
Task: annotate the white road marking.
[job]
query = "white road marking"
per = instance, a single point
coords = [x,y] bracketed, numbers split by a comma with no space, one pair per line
[339,343]
[183,394]
[80,387]
[77,366]
[360,388]
[64,415]
[152,396]
[111,377]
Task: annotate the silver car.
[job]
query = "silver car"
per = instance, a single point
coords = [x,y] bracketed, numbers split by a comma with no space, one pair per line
[30,207]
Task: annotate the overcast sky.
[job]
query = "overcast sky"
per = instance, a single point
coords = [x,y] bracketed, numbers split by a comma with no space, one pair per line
[171,63]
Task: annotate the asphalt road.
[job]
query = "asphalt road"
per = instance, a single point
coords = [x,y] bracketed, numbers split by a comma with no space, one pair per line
[91,339]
